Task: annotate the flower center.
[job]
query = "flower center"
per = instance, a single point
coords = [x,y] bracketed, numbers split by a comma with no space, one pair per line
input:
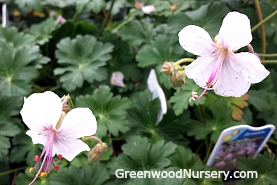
[47,155]
[215,73]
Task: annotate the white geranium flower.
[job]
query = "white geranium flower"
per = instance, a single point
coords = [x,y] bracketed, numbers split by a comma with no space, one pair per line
[57,131]
[148,9]
[218,67]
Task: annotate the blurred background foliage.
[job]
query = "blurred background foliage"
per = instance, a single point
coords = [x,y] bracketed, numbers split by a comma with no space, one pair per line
[77,53]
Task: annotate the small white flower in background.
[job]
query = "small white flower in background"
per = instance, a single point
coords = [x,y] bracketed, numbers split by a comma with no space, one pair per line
[117,79]
[148,9]
[57,131]
[61,19]
[155,88]
[145,9]
[218,67]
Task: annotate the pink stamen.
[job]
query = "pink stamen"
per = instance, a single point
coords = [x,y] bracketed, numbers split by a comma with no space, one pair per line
[251,50]
[214,75]
[47,154]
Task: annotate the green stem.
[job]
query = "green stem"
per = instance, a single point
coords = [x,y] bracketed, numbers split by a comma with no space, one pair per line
[199,148]
[272,141]
[75,16]
[209,148]
[260,18]
[200,113]
[267,55]
[37,88]
[93,138]
[118,139]
[183,60]
[105,22]
[269,61]
[13,170]
[264,21]
[115,30]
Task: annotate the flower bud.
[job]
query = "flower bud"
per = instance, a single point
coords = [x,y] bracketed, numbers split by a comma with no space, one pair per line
[173,7]
[177,78]
[167,68]
[96,152]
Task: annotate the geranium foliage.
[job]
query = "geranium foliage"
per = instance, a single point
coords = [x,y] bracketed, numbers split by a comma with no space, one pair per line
[83,59]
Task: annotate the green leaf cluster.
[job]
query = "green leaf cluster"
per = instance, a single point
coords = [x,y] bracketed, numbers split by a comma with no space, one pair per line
[139,153]
[265,167]
[109,110]
[82,59]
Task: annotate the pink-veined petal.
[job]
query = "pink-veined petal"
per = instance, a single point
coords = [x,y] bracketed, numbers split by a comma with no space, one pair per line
[235,31]
[77,123]
[37,138]
[196,40]
[70,148]
[201,69]
[41,110]
[250,65]
[230,81]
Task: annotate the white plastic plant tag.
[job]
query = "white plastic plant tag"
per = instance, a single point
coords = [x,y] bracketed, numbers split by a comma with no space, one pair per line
[157,91]
[238,141]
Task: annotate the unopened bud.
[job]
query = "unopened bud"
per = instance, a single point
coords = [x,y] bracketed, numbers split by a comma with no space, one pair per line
[173,7]
[177,78]
[96,152]
[167,68]
[180,74]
